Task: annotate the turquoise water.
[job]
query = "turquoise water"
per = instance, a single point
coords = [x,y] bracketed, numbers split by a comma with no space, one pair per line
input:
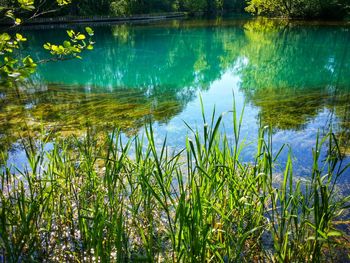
[293,76]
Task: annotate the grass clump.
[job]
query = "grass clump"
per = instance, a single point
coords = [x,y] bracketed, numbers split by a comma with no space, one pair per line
[102,200]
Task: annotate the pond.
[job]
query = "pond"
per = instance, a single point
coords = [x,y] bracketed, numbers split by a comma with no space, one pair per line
[292,76]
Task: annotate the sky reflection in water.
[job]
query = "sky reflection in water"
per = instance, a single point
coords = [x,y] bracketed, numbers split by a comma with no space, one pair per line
[292,76]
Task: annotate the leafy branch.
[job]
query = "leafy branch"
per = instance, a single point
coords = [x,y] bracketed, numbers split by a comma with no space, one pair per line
[13,68]
[74,46]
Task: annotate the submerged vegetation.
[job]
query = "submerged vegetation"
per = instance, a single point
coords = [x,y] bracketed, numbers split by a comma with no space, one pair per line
[107,200]
[147,73]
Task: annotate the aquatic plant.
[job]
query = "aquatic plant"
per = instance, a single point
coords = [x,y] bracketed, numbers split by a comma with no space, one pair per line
[107,200]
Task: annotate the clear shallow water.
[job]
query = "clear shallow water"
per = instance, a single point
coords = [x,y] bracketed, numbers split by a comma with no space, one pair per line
[292,76]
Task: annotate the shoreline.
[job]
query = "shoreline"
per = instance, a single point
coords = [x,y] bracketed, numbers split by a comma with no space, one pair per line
[96,19]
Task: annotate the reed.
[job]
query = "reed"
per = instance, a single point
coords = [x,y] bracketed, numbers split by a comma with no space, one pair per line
[96,199]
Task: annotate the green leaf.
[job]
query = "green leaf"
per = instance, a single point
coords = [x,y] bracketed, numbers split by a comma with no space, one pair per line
[18,21]
[89,31]
[70,33]
[66,44]
[334,233]
[63,2]
[80,37]
[10,14]
[4,37]
[54,48]
[19,37]
[47,46]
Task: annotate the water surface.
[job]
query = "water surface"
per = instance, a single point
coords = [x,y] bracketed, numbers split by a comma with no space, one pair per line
[293,76]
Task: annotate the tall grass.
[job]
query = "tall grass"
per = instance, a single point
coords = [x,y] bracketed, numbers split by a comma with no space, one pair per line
[102,200]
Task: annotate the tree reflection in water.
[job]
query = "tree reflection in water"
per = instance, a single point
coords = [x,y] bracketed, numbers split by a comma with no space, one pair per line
[290,71]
